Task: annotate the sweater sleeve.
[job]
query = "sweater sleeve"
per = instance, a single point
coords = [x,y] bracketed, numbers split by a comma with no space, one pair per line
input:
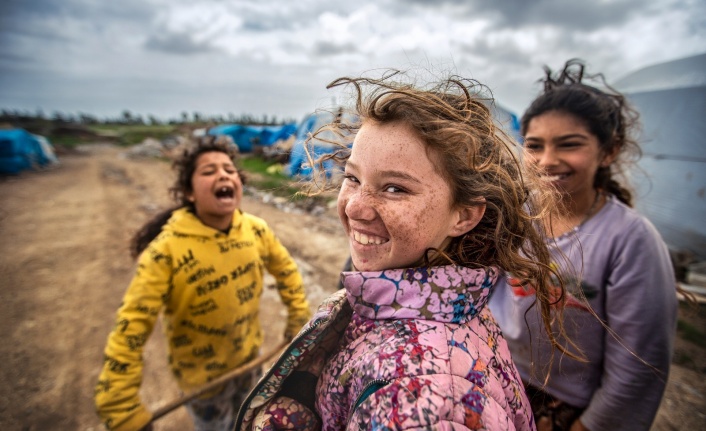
[117,391]
[641,310]
[280,264]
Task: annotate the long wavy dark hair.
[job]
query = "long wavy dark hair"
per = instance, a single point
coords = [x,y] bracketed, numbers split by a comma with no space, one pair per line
[605,112]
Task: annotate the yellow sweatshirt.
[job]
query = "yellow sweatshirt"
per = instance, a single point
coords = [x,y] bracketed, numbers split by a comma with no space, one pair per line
[208,285]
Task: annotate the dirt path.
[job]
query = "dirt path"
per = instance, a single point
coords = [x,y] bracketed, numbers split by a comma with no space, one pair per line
[65,265]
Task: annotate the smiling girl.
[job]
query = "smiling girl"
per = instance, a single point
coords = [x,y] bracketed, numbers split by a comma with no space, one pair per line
[621,307]
[201,265]
[434,204]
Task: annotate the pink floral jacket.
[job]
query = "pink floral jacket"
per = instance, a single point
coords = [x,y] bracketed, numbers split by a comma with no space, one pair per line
[406,349]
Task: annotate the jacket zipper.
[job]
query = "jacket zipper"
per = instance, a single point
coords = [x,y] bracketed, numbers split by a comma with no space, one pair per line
[368,390]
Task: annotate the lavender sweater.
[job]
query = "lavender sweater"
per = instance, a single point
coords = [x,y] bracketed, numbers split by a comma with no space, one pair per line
[622,266]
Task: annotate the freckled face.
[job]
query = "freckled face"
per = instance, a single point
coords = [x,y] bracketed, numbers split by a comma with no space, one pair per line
[393,204]
[217,189]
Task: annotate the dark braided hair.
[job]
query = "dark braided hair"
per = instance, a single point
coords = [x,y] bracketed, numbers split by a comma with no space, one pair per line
[605,112]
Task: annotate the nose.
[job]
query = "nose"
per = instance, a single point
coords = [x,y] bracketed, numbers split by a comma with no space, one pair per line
[547,158]
[358,205]
[223,173]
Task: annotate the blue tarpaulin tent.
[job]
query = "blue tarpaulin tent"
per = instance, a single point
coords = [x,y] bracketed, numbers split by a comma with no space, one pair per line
[21,150]
[506,119]
[247,136]
[298,162]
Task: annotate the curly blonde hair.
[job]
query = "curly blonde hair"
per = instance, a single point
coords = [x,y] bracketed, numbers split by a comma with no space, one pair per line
[482,166]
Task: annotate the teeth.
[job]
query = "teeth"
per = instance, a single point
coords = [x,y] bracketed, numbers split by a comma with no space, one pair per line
[365,239]
[555,177]
[225,192]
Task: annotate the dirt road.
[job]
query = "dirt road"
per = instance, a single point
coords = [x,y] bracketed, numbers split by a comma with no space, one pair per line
[65,265]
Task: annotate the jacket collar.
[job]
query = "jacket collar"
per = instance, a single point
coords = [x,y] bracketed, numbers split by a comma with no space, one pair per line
[449,293]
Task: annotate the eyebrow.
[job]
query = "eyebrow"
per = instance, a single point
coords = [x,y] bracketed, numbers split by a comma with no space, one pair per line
[559,138]
[390,173]
[214,165]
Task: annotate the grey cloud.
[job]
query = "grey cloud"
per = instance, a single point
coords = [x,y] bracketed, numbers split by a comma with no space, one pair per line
[582,15]
[571,16]
[259,26]
[509,51]
[289,15]
[177,43]
[18,29]
[94,10]
[53,20]
[261,22]
[10,58]
[44,45]
[325,48]
[696,23]
[23,9]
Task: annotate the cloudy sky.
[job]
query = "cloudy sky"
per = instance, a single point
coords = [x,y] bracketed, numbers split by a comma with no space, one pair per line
[275,57]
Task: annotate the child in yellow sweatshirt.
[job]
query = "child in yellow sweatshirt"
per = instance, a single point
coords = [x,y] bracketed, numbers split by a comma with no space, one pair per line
[202,265]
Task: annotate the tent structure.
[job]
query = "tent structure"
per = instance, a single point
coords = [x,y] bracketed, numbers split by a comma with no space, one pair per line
[247,136]
[298,161]
[671,177]
[507,120]
[21,150]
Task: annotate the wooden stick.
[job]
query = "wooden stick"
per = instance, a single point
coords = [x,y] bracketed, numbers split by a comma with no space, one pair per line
[236,372]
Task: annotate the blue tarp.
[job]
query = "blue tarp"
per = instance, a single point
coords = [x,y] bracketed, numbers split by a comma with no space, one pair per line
[508,121]
[298,162]
[21,150]
[247,136]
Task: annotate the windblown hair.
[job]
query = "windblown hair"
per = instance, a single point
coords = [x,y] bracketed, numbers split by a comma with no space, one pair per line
[482,166]
[184,165]
[605,112]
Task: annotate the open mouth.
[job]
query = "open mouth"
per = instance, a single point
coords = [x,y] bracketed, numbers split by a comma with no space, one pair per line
[364,239]
[225,192]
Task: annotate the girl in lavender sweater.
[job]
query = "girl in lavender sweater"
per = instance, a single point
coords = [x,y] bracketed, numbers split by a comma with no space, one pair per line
[621,303]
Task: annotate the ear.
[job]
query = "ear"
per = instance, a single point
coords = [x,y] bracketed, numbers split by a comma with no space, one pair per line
[609,158]
[468,218]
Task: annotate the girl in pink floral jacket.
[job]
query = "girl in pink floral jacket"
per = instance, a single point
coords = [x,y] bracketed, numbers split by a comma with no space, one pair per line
[434,204]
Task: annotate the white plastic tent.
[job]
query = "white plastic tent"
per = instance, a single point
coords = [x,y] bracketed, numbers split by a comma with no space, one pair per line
[671,181]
